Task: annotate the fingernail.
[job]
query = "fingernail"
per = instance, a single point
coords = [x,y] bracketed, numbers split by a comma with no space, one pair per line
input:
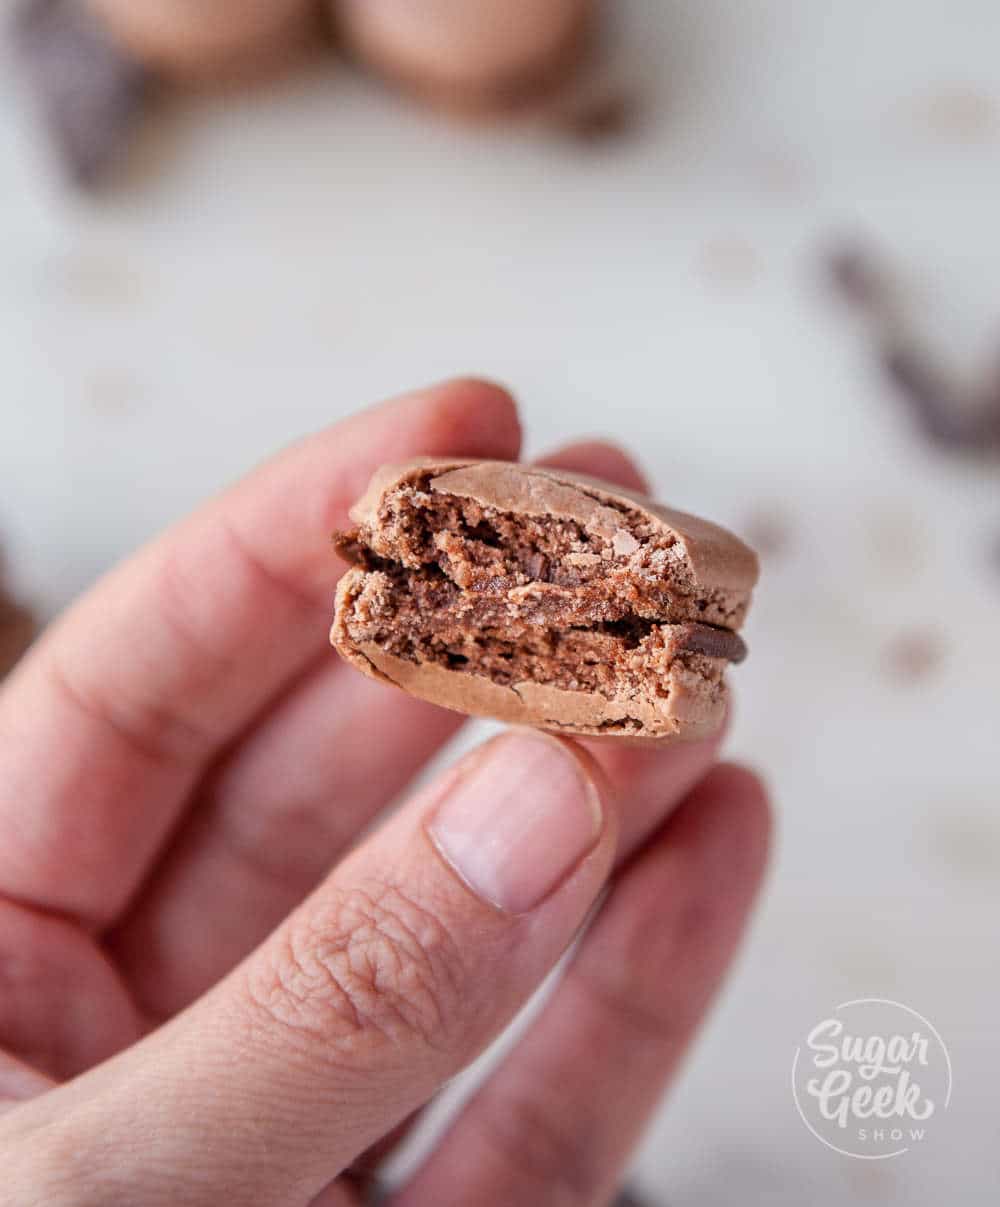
[518,819]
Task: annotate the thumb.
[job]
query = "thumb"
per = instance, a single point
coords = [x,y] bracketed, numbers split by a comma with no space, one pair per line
[381,986]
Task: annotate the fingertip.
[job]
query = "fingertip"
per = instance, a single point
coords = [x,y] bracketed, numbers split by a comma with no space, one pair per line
[474,417]
[471,384]
[600,459]
[464,417]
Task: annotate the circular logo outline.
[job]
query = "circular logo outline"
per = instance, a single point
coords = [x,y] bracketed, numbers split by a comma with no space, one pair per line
[872,1001]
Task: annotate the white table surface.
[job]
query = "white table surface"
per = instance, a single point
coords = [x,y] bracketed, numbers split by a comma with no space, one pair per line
[295,252]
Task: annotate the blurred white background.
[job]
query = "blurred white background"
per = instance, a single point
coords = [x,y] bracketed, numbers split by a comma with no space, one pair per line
[296,252]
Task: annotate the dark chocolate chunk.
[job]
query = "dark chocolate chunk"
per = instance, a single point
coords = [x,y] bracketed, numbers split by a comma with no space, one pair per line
[714,642]
[89,90]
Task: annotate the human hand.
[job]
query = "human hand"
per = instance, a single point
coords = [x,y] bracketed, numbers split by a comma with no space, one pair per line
[195,1009]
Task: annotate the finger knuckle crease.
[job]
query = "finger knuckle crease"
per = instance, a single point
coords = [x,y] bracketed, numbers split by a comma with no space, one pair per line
[374,965]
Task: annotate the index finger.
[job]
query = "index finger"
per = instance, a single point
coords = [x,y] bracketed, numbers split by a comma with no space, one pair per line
[107,725]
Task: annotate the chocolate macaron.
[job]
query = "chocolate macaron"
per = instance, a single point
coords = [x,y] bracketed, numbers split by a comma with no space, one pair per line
[542,598]
[94,65]
[468,54]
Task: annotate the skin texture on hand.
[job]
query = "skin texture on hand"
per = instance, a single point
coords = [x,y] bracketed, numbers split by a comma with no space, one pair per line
[195,949]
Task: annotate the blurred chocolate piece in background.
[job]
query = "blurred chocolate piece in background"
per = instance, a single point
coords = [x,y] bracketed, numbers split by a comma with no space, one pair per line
[949,415]
[858,278]
[90,95]
[922,385]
